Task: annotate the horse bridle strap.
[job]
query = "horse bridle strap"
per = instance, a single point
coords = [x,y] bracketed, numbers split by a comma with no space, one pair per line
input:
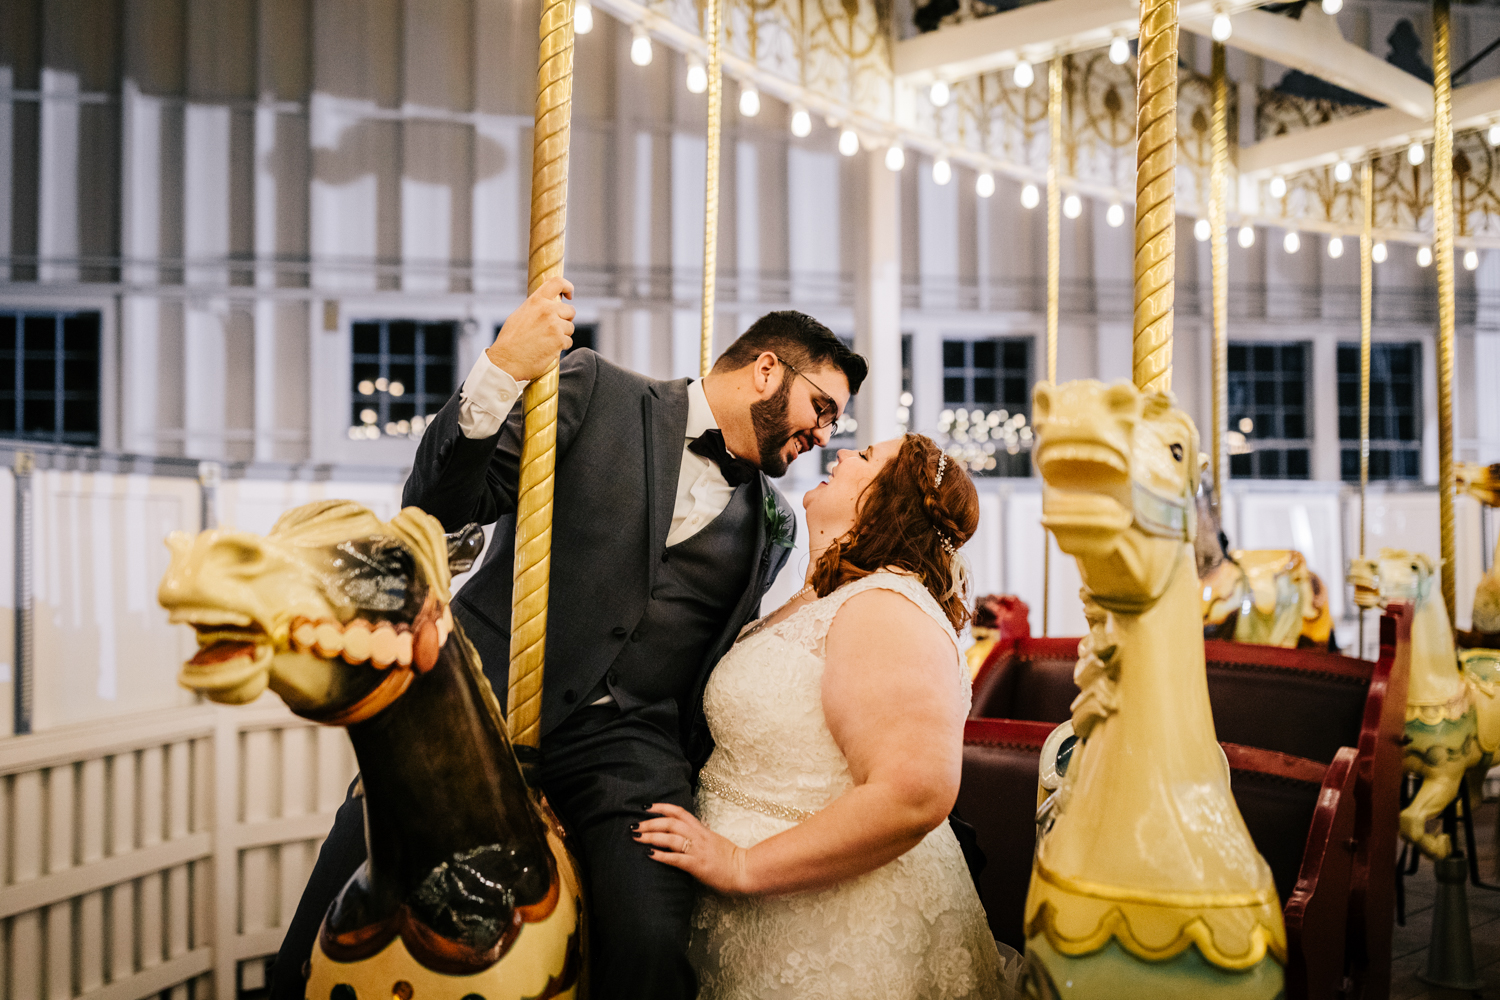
[392,686]
[1161,515]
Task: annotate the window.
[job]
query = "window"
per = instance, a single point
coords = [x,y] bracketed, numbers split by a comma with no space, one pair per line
[49,377]
[988,384]
[1268,405]
[403,372]
[1395,411]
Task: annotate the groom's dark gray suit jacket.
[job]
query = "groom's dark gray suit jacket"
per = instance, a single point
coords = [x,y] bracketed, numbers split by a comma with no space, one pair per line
[620,437]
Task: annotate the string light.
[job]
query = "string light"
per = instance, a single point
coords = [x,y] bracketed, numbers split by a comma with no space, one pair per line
[1415,154]
[1378,253]
[1247,237]
[801,123]
[749,100]
[1119,51]
[1024,76]
[1332,7]
[939,94]
[1494,134]
[1222,28]
[1278,186]
[640,47]
[1471,260]
[1336,247]
[1202,230]
[1115,215]
[848,142]
[1424,256]
[984,184]
[1342,171]
[583,17]
[1291,243]
[1030,196]
[942,171]
[895,158]
[697,75]
[1072,206]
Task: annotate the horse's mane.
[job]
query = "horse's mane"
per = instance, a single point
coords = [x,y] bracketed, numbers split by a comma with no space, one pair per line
[328,522]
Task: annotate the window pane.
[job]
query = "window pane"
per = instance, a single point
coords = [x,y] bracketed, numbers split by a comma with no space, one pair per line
[984,353]
[953,354]
[403,337]
[37,416]
[438,338]
[40,333]
[81,333]
[984,390]
[366,338]
[954,391]
[80,375]
[80,417]
[7,333]
[40,374]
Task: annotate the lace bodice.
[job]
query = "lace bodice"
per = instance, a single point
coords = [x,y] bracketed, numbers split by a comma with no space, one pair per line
[911,929]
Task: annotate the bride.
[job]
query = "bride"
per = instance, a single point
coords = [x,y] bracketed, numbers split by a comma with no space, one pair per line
[838,727]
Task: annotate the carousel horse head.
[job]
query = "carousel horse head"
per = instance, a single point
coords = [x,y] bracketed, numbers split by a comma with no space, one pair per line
[1119,471]
[334,610]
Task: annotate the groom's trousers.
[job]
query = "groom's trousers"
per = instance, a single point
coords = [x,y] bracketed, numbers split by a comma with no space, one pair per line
[600,771]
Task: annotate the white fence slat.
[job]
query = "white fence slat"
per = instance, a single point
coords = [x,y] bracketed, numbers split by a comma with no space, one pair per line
[152,797]
[153,890]
[178,778]
[26,963]
[91,942]
[61,817]
[92,803]
[179,916]
[122,960]
[59,923]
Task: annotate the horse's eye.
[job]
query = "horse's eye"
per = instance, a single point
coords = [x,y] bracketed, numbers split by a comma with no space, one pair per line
[1177,452]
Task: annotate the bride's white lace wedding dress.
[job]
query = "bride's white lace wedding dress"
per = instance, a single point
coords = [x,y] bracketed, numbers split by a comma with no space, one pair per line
[911,929]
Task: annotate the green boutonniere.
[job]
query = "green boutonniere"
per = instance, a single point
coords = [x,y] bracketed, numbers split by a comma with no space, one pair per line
[779,524]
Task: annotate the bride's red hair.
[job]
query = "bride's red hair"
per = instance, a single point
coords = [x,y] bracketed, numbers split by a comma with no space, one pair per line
[900,516]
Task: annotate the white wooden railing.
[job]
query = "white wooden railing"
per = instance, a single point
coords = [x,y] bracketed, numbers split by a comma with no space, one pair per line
[154,854]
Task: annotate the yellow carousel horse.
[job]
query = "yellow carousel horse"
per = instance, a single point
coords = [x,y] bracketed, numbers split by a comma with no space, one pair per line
[469,889]
[1147,883]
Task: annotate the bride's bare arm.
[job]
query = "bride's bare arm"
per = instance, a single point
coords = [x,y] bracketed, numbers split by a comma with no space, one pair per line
[895,706]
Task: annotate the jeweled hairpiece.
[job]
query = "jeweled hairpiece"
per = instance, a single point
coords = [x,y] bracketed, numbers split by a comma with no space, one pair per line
[942,467]
[947,542]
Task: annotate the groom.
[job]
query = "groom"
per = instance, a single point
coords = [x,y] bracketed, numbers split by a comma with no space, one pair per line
[666,534]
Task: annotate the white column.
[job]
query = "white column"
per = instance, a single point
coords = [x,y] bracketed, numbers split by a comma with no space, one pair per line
[937,237]
[813,221]
[1486,374]
[140,240]
[1325,408]
[689,171]
[57,215]
[747,256]
[877,301]
[7,158]
[206,179]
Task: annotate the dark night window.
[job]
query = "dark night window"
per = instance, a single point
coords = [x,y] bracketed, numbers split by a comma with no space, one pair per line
[1395,411]
[1268,406]
[987,390]
[49,377]
[403,372]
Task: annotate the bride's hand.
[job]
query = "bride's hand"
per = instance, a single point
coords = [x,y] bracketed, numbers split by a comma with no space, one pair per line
[679,840]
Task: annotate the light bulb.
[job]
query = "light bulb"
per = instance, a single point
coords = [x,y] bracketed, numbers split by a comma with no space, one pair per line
[1336,247]
[1471,260]
[1030,196]
[1378,253]
[1331,7]
[1072,206]
[1119,51]
[801,123]
[749,100]
[1424,256]
[895,158]
[1494,135]
[1415,154]
[1277,186]
[640,48]
[1342,171]
[848,142]
[942,171]
[1202,230]
[1291,243]
[984,184]
[1246,237]
[583,17]
[1115,215]
[1024,76]
[1222,28]
[697,75]
[939,94]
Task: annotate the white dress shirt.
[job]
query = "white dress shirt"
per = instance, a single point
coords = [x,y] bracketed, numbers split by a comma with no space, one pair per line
[489,392]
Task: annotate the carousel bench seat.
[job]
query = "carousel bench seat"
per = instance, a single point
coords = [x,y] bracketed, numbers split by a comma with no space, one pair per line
[1300,814]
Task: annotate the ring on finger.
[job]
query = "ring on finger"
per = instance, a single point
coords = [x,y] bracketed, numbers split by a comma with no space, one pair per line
[687,845]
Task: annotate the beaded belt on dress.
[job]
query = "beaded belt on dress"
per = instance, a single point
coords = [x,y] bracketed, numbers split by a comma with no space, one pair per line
[725,790]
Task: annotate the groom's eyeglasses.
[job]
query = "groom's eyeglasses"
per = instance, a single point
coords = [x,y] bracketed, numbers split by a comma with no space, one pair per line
[823,404]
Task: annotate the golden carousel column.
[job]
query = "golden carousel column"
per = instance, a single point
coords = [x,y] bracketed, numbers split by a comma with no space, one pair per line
[1054,275]
[1155,197]
[549,204]
[712,16]
[1366,315]
[1442,246]
[1218,217]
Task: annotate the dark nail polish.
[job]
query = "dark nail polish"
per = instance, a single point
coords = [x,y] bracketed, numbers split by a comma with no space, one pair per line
[635,826]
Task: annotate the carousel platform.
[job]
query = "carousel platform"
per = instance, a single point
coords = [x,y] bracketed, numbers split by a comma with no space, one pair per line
[1409,946]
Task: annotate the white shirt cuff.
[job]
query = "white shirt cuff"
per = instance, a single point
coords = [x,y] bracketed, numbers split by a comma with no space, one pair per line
[487,396]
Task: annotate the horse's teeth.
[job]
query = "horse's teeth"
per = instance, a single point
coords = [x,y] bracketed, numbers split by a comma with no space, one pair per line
[403,648]
[330,639]
[304,635]
[357,641]
[383,646]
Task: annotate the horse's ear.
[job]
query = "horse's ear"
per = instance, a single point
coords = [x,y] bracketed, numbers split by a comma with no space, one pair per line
[464,546]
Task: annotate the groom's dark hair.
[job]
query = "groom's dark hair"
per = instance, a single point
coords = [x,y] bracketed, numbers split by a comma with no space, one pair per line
[800,341]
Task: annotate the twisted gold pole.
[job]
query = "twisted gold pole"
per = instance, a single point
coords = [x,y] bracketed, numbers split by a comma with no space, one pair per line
[1155,204]
[712,16]
[1054,281]
[1218,218]
[549,209]
[1442,244]
[1366,315]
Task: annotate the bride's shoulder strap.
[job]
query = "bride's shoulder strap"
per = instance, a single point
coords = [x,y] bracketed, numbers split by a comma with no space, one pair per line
[904,584]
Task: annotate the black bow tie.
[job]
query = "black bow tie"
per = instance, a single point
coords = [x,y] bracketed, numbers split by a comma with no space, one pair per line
[710,445]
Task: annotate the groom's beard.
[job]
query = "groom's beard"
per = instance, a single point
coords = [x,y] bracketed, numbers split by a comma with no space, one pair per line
[772,428]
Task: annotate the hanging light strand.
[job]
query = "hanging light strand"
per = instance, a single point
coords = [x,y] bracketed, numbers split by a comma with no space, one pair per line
[712,16]
[1155,202]
[1218,211]
[1442,218]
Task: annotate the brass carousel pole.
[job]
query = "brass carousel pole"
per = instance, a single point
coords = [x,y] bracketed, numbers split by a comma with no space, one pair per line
[1442,243]
[1155,201]
[1218,218]
[1366,293]
[549,195]
[712,16]
[1054,274]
